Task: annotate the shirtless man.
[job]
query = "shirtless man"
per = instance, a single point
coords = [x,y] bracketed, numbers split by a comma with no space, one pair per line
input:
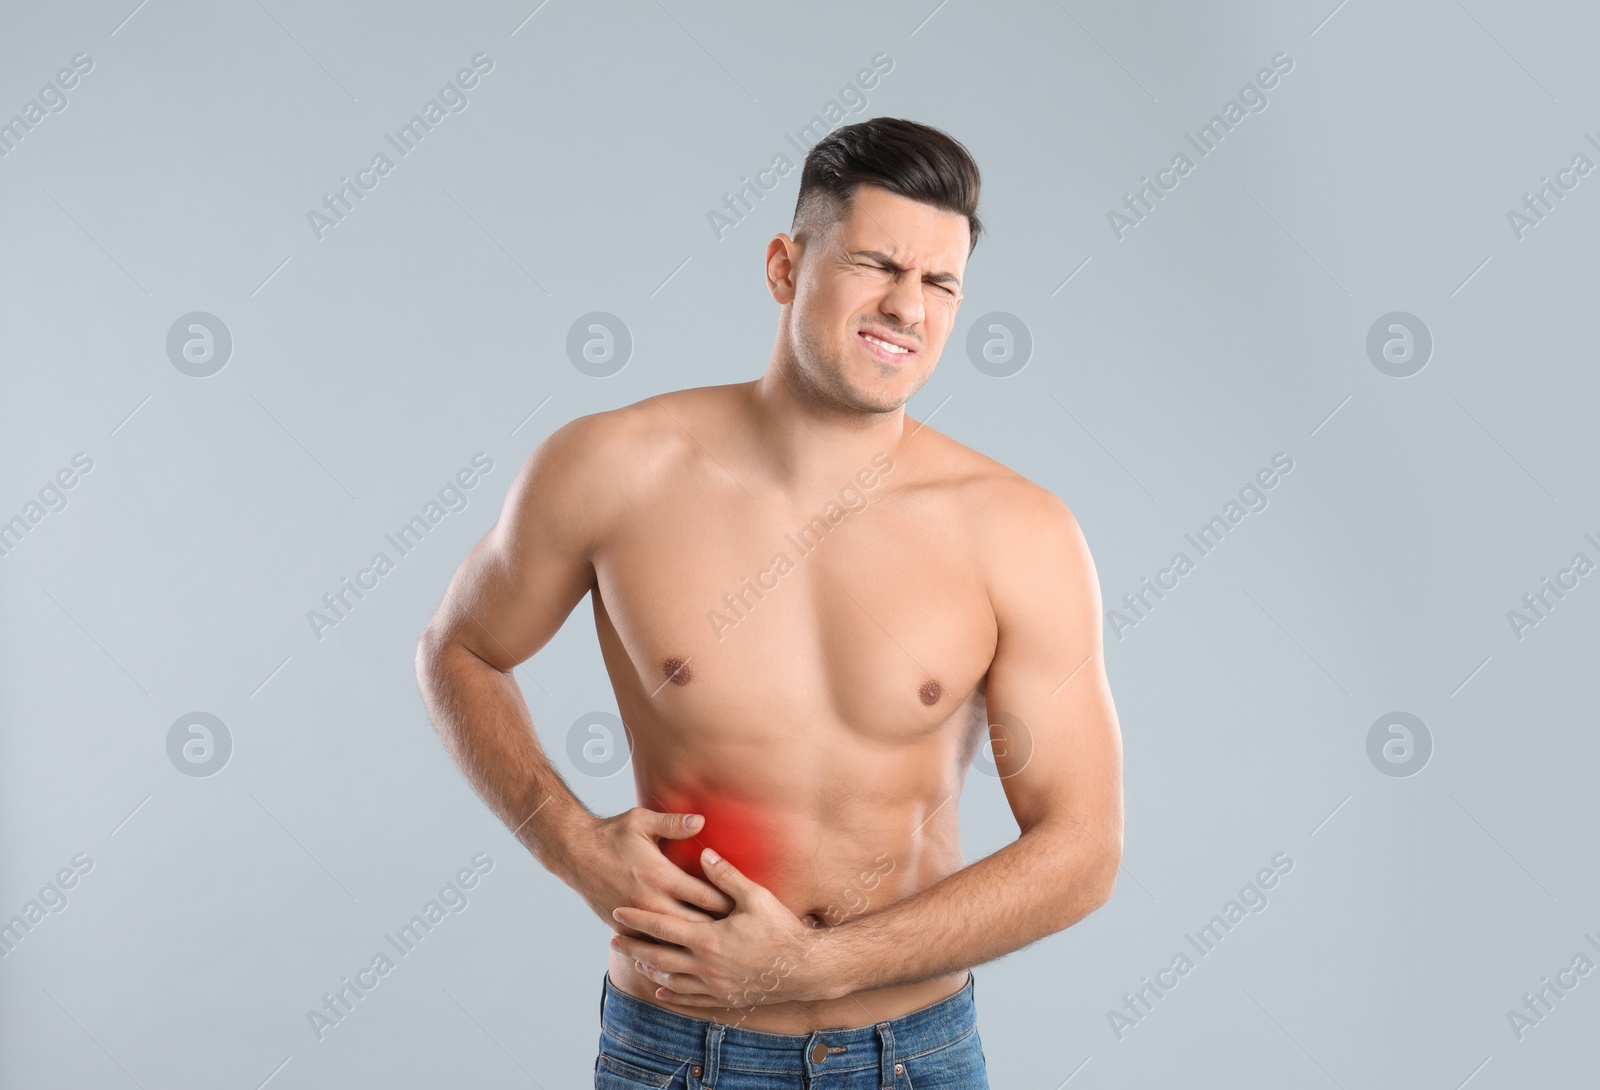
[812,608]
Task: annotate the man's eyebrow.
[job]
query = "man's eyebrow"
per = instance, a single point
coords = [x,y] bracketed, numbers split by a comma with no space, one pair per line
[895,267]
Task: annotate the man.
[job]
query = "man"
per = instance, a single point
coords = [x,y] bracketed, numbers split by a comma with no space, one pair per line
[810,607]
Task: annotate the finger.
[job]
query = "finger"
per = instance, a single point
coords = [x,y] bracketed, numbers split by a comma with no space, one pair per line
[691,999]
[670,826]
[726,876]
[657,925]
[666,959]
[651,901]
[668,904]
[691,890]
[694,995]
[674,984]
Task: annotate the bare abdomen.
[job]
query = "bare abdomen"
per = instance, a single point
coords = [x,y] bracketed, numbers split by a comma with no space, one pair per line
[831,866]
[740,832]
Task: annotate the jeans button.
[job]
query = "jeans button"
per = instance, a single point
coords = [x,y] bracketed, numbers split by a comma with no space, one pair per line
[899,1069]
[819,1052]
[695,1071]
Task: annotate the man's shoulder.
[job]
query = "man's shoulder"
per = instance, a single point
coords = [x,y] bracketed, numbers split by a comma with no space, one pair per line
[995,501]
[634,445]
[582,481]
[1022,537]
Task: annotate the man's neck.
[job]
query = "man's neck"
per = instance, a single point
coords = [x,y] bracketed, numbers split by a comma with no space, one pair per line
[810,442]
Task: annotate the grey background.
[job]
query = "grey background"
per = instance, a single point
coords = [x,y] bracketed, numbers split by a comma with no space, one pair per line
[369,366]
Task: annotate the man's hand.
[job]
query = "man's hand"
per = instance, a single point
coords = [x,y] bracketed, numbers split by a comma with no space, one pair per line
[759,953]
[616,861]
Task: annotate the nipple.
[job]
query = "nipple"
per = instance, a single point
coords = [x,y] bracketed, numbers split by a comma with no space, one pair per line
[930,693]
[676,671]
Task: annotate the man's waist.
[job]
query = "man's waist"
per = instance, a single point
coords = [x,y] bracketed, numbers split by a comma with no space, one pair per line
[936,1018]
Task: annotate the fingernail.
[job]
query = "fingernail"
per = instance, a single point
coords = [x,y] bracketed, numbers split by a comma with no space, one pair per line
[711,856]
[694,821]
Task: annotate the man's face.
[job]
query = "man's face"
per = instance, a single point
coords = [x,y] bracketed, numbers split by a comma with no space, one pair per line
[891,270]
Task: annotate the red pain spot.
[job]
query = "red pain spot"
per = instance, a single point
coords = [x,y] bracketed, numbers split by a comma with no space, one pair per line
[676,671]
[930,693]
[740,833]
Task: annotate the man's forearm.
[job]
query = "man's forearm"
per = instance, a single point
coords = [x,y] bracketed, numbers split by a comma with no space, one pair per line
[484,722]
[1043,882]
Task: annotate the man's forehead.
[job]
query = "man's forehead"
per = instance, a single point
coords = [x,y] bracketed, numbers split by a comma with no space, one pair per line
[916,235]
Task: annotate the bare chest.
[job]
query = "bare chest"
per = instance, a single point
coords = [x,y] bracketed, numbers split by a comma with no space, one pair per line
[872,616]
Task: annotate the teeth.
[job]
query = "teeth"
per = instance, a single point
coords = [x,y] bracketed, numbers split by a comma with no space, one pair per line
[885,344]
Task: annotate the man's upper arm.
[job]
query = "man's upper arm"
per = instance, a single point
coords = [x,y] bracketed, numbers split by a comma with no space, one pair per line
[522,579]
[1058,746]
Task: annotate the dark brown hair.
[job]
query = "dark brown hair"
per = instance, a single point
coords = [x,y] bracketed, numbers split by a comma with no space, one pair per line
[913,160]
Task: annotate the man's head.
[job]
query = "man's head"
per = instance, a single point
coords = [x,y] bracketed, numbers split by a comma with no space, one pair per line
[883,226]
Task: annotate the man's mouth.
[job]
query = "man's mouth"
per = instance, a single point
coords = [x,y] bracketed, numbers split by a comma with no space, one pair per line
[888,348]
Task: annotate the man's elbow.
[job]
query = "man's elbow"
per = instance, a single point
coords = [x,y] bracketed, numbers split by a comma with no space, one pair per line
[1096,883]
[1107,883]
[427,655]
[432,659]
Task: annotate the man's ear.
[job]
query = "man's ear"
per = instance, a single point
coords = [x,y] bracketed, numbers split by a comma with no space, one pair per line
[783,257]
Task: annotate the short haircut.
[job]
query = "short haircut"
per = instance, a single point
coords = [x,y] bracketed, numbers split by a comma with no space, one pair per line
[906,158]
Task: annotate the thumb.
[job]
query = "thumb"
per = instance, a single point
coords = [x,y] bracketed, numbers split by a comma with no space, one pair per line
[675,826]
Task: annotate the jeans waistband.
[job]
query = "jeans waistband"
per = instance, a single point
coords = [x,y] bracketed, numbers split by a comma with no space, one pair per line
[714,1045]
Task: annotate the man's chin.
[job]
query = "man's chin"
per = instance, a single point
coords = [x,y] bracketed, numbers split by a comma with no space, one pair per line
[877,403]
[881,399]
[856,390]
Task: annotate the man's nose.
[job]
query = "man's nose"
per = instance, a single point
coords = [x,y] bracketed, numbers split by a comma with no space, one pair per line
[904,301]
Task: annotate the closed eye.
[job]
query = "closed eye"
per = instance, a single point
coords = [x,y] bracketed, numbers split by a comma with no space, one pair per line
[883,268]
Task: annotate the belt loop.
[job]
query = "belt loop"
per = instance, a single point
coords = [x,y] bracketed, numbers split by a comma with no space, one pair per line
[885,1056]
[714,1034]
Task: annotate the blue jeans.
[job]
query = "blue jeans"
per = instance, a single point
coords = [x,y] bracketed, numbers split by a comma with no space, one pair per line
[933,1048]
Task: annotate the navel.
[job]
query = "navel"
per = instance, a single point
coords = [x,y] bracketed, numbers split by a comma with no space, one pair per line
[676,671]
[930,693]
